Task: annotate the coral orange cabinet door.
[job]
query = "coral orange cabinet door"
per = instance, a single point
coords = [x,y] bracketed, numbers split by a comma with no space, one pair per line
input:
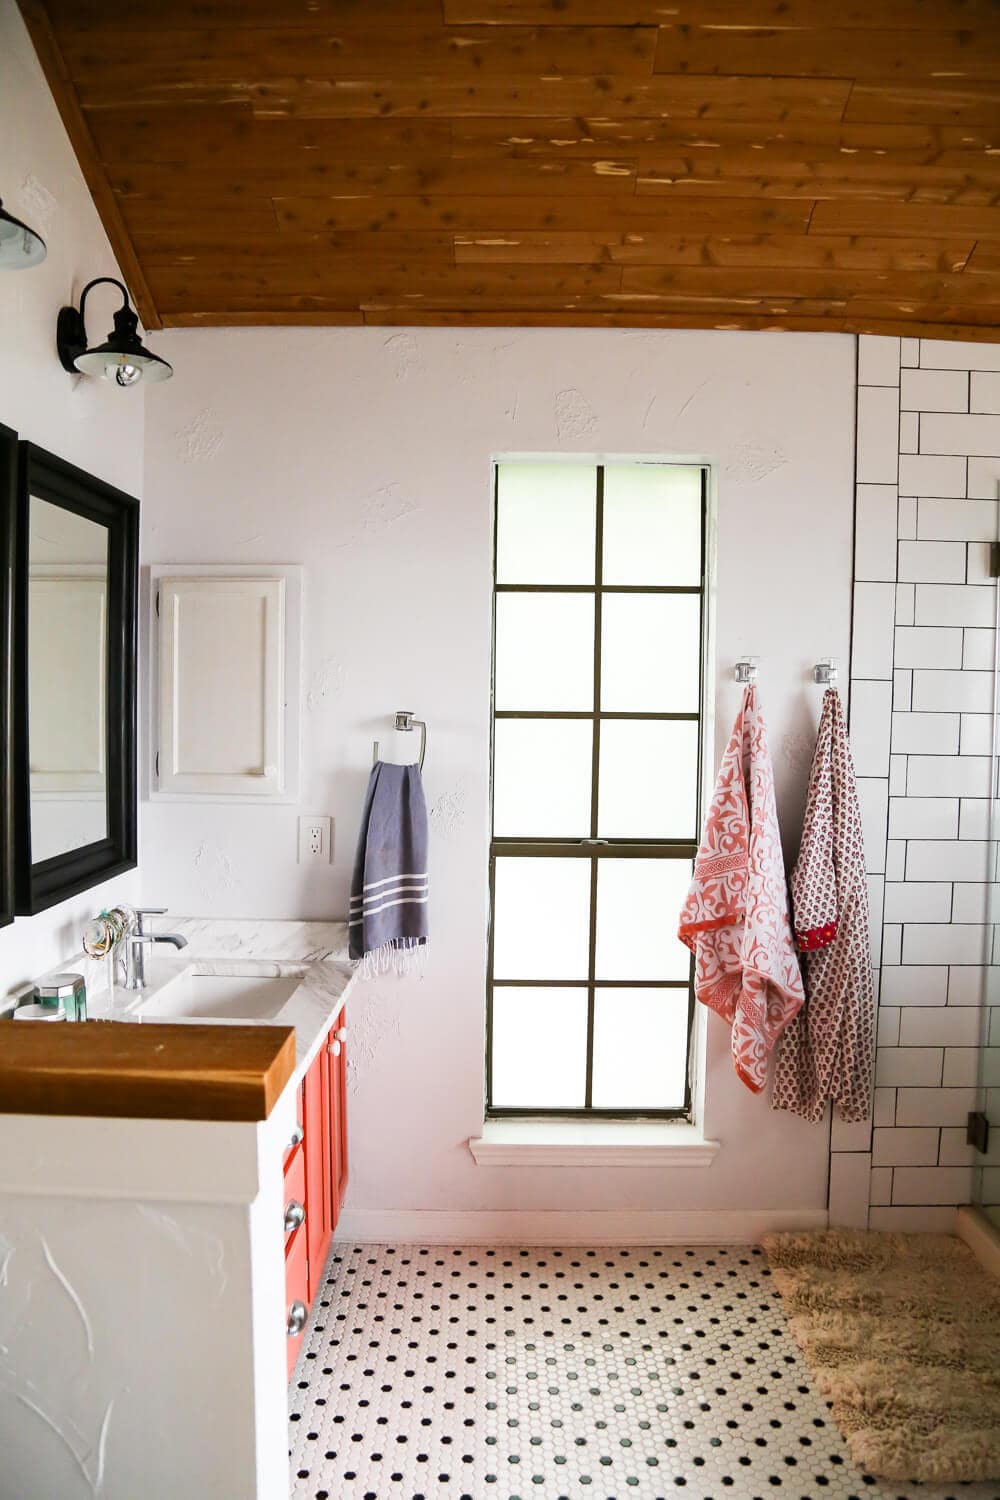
[316,1123]
[338,1113]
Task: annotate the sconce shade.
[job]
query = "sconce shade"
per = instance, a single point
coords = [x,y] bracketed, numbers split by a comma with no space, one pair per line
[20,247]
[122,357]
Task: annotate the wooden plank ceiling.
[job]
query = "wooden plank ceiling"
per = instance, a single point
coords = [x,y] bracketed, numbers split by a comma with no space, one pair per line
[698,163]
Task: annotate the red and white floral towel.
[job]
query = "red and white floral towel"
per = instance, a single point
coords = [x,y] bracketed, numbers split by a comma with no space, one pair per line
[735,919]
[828,1051]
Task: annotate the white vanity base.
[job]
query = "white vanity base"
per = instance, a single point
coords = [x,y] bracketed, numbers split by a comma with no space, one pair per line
[143,1353]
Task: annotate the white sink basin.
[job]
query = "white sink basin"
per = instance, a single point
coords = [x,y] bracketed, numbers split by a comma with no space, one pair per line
[246,994]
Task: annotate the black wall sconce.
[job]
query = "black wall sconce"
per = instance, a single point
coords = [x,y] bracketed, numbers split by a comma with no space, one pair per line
[20,247]
[121,358]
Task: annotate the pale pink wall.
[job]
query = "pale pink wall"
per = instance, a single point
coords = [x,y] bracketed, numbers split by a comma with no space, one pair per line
[84,421]
[365,455]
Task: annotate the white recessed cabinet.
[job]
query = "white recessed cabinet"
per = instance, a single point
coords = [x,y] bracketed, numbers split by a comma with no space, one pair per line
[225,688]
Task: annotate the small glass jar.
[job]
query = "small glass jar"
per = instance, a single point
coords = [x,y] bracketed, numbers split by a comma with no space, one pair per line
[66,990]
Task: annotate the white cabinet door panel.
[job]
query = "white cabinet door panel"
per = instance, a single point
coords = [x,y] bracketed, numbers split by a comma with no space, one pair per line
[222,688]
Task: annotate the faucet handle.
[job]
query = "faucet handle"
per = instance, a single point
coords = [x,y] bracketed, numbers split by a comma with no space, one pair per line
[147,911]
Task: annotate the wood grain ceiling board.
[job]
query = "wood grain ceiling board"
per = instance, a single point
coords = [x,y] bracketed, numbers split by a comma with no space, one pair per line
[629,163]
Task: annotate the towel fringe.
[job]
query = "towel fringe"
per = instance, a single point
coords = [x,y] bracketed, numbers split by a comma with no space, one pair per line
[400,956]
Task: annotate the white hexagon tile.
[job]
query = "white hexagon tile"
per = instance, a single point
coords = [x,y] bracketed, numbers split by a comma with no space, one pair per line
[509,1374]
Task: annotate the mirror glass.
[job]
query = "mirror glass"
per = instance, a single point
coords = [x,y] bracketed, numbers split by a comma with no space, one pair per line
[67,677]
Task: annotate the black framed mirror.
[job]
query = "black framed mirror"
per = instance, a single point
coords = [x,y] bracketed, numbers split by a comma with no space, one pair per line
[76,581]
[8,502]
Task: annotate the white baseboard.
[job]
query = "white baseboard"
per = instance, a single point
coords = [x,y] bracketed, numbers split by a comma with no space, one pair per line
[739,1226]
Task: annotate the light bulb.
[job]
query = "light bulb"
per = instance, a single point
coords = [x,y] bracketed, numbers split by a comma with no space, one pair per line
[125,374]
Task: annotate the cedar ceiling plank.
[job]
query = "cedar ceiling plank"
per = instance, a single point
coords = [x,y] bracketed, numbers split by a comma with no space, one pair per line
[342,317]
[801,251]
[231,135]
[985,317]
[493,176]
[944,144]
[707,99]
[912,220]
[233,248]
[233,56]
[537,247]
[962,103]
[797,251]
[222,317]
[474,213]
[985,259]
[846,189]
[830,52]
[824,173]
[151,15]
[186,214]
[64,93]
[906,15]
[834,282]
[342,287]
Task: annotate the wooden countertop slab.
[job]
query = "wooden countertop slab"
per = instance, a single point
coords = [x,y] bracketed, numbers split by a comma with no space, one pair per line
[147,1071]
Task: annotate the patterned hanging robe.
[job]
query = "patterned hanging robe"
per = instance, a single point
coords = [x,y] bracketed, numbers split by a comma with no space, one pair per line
[735,919]
[828,1051]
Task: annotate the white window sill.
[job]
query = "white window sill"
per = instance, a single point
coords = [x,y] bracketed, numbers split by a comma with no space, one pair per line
[591,1143]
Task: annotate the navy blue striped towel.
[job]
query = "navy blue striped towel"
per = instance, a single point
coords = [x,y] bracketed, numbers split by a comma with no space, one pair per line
[388,917]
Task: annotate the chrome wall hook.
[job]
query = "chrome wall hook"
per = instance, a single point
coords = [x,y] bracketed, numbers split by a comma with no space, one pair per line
[748,669]
[825,671]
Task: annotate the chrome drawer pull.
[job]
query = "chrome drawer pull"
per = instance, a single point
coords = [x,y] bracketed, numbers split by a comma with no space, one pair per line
[341,1034]
[297,1135]
[295,1215]
[297,1315]
[334,1049]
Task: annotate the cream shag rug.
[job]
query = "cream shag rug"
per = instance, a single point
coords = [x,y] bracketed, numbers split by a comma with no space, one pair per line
[901,1333]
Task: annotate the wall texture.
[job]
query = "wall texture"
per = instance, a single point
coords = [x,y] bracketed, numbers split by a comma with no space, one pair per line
[928,468]
[366,455]
[91,424]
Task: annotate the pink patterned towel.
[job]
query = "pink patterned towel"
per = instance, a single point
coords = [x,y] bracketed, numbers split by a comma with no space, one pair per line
[735,919]
[828,1051]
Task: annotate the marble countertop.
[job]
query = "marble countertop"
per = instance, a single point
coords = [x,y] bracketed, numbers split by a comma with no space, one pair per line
[315,950]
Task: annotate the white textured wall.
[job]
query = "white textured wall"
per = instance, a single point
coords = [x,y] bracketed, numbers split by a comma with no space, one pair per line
[84,421]
[365,455]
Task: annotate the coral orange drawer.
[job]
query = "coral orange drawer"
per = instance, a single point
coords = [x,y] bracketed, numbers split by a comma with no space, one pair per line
[296,1307]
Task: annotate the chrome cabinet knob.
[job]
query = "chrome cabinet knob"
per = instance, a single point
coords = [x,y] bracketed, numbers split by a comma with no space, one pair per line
[297,1135]
[335,1049]
[341,1034]
[295,1215]
[297,1315]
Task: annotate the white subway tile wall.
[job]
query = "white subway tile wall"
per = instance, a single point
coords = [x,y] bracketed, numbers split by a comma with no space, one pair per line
[928,486]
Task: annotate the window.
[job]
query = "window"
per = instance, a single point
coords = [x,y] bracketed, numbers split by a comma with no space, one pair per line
[597,694]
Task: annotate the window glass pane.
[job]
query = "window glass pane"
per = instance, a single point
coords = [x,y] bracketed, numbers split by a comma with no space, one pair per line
[652,524]
[546,519]
[542,778]
[541,918]
[648,778]
[640,1049]
[638,901]
[545,651]
[539,1047]
[650,653]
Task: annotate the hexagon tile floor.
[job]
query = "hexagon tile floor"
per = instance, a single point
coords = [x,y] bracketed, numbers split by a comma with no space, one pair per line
[509,1374]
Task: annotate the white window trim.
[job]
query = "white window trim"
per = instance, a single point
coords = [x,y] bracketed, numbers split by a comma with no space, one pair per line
[592,1143]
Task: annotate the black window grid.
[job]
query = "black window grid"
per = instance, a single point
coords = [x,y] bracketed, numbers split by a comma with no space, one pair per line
[595,848]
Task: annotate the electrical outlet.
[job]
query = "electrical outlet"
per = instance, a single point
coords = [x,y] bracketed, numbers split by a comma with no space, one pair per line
[315,839]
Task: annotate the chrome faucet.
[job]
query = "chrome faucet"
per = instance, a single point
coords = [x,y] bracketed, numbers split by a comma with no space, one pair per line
[136,943]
